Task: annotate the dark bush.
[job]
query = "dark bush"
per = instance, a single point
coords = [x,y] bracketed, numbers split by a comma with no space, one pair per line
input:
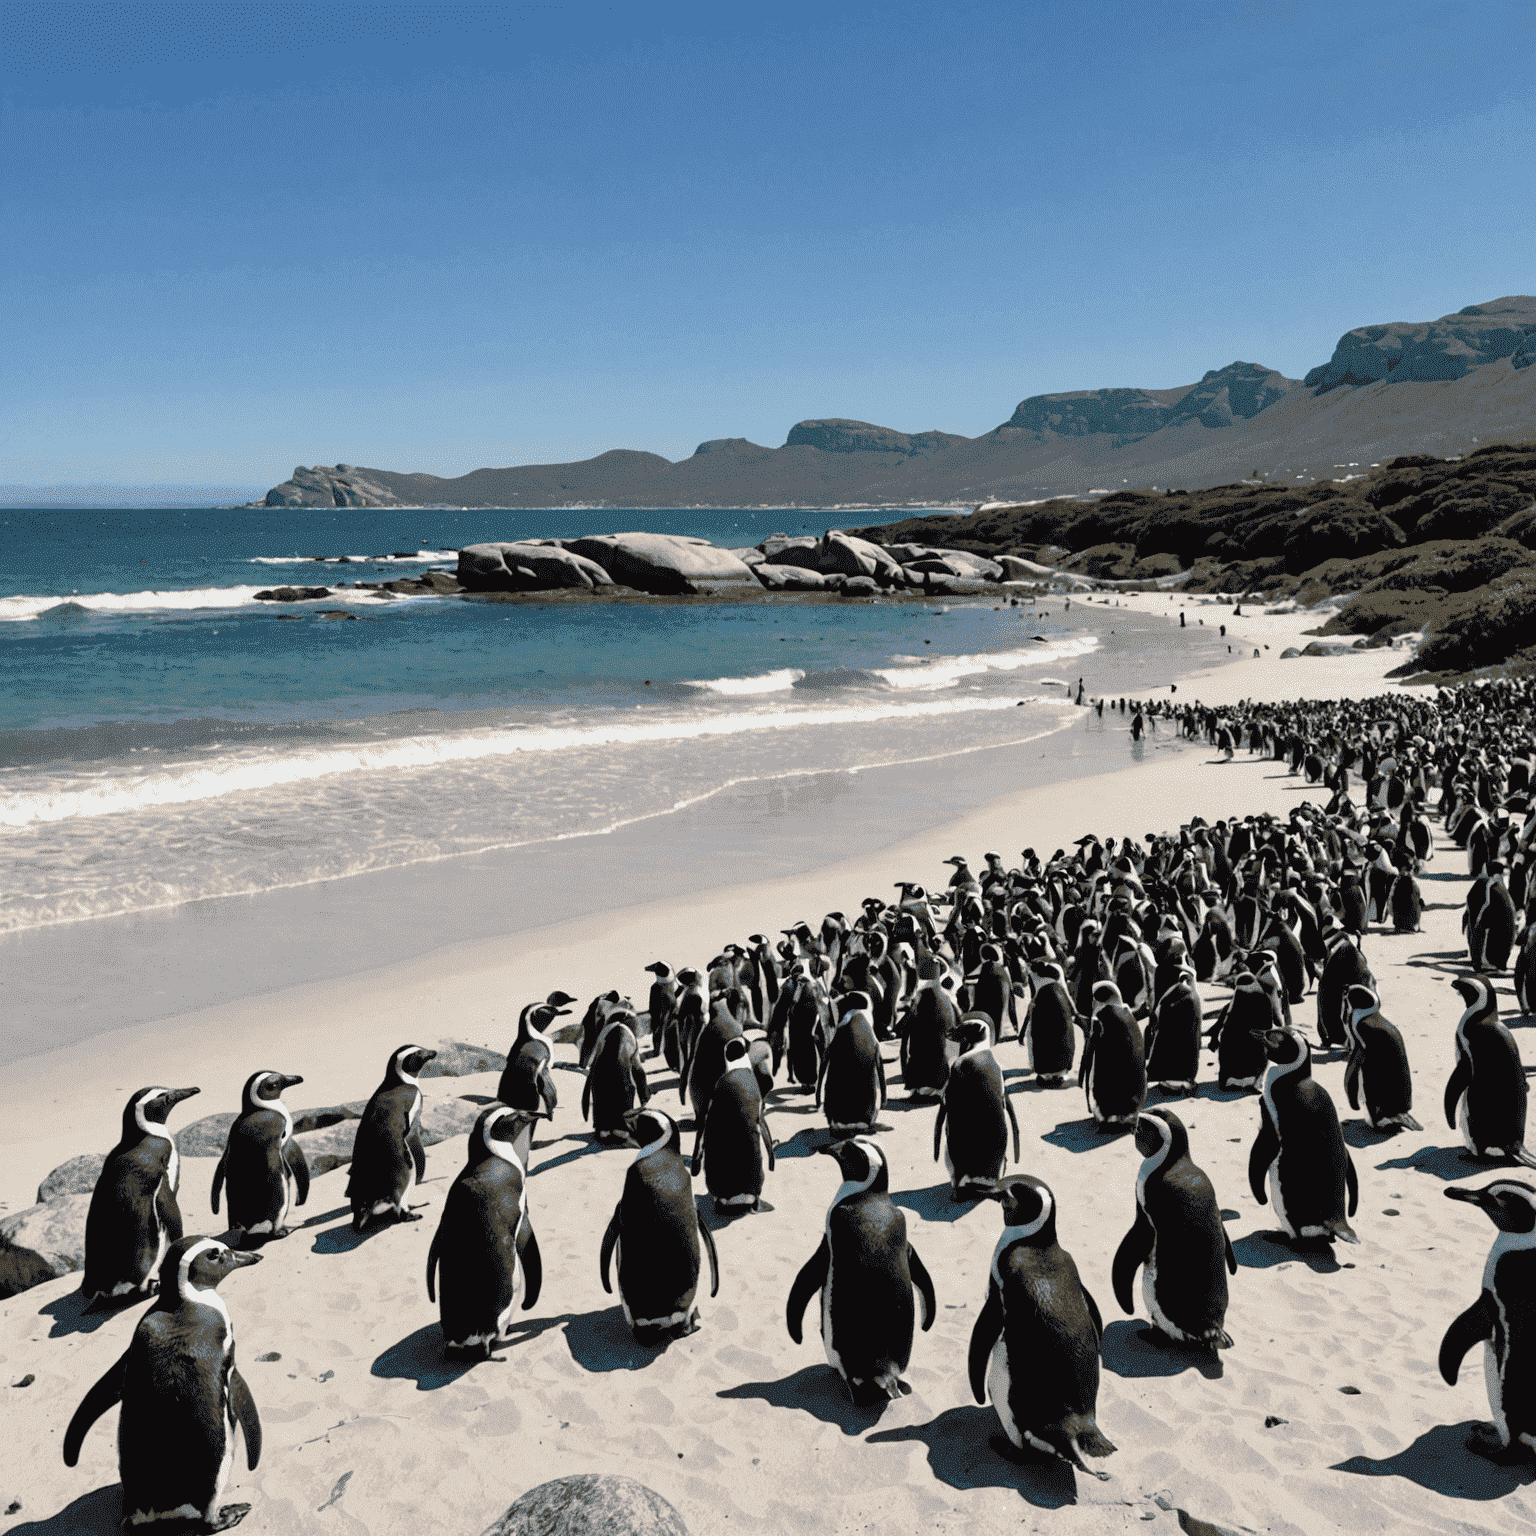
[1484,629]
[1369,613]
[1453,565]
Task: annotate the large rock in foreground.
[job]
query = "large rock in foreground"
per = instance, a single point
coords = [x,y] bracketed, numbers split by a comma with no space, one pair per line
[664,564]
[590,1504]
[42,1242]
[526,567]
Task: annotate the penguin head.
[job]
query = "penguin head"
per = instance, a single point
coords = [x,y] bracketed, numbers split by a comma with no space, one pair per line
[150,1107]
[558,999]
[863,1165]
[1105,993]
[263,1089]
[406,1063]
[851,1003]
[1362,1001]
[1286,1048]
[1029,1207]
[1476,994]
[874,944]
[659,969]
[974,1030]
[759,940]
[497,1128]
[537,1017]
[1160,1136]
[653,1129]
[198,1264]
[737,1051]
[689,977]
[1510,1204]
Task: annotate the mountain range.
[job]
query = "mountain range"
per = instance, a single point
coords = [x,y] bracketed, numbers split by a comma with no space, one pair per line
[1441,386]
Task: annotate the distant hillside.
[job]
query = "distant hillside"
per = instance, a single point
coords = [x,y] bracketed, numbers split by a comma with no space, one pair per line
[1437,386]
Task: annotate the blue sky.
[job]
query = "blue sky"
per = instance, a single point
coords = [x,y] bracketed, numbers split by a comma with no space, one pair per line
[243,236]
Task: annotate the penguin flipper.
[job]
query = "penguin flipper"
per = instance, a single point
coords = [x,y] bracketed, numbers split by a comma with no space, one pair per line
[1472,1327]
[433,1254]
[1351,1182]
[1231,1257]
[924,1283]
[714,1259]
[586,1099]
[880,1073]
[547,1091]
[418,1153]
[532,1262]
[697,1161]
[1461,1080]
[218,1179]
[1094,1313]
[768,1140]
[244,1406]
[938,1128]
[984,1337]
[1082,1071]
[1134,1251]
[293,1155]
[1013,1120]
[812,1277]
[170,1213]
[1352,1080]
[1266,1148]
[610,1237]
[104,1395]
[642,1085]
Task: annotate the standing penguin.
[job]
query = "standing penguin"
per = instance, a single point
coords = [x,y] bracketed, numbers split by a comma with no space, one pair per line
[1485,1098]
[526,1081]
[1114,1069]
[133,1217]
[1491,933]
[484,1252]
[992,992]
[1504,1318]
[1406,903]
[733,1135]
[979,1112]
[182,1397]
[927,1034]
[661,1005]
[1238,1032]
[1378,1065]
[1345,967]
[1035,1345]
[262,1164]
[1050,1025]
[655,1234]
[387,1156]
[851,1086]
[865,1270]
[1179,1240]
[1300,1146]
[1173,1038]
[616,1081]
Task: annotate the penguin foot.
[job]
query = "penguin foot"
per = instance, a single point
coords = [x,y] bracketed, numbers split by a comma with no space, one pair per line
[1485,1441]
[230,1515]
[761,1208]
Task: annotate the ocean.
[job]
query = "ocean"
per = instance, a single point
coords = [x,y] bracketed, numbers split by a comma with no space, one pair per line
[167,739]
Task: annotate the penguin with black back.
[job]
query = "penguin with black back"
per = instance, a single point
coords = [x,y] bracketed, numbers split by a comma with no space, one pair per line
[661,1003]
[851,1087]
[1344,968]
[733,1136]
[979,1112]
[1178,1241]
[1174,1036]
[182,1397]
[865,1270]
[1377,1070]
[526,1081]
[927,1031]
[388,1159]
[1491,934]
[655,1235]
[484,1253]
[262,1164]
[1486,1095]
[1035,1345]
[1113,1073]
[1503,1319]
[1050,1024]
[133,1216]
[616,1082]
[1300,1148]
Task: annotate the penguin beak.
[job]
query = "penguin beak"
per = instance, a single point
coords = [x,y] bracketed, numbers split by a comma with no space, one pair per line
[1470,1196]
[1146,1138]
[174,1096]
[285,1081]
[831,1150]
[243,1258]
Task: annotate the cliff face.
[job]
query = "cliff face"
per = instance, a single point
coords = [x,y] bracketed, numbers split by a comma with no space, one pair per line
[1442,386]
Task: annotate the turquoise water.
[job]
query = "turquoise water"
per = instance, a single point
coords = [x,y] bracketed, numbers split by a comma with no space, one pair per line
[166,738]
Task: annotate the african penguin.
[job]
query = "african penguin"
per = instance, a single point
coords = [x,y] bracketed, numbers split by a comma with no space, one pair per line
[387,1156]
[1485,1098]
[262,1165]
[979,1112]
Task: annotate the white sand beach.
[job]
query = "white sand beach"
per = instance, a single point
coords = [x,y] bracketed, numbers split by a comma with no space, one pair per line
[1328,1414]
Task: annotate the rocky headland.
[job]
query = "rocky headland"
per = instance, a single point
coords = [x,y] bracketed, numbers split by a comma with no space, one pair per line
[1443,387]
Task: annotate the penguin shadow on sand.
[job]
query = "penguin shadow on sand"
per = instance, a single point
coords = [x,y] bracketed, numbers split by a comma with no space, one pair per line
[1448,1163]
[1264,1250]
[935,1203]
[344,1238]
[817,1390]
[1085,1135]
[1132,1349]
[602,1342]
[1440,1461]
[1365,1137]
[1448,962]
[96,1513]
[967,1450]
[72,1314]
[419,1356]
[586,1141]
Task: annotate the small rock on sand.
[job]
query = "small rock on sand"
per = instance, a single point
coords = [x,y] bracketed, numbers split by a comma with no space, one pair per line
[590,1504]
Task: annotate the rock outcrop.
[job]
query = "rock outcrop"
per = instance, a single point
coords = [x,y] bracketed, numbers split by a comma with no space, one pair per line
[42,1242]
[328,485]
[527,567]
[664,564]
[590,1504]
[76,1177]
[837,435]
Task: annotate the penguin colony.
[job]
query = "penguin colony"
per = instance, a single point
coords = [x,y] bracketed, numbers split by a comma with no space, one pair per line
[1088,960]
